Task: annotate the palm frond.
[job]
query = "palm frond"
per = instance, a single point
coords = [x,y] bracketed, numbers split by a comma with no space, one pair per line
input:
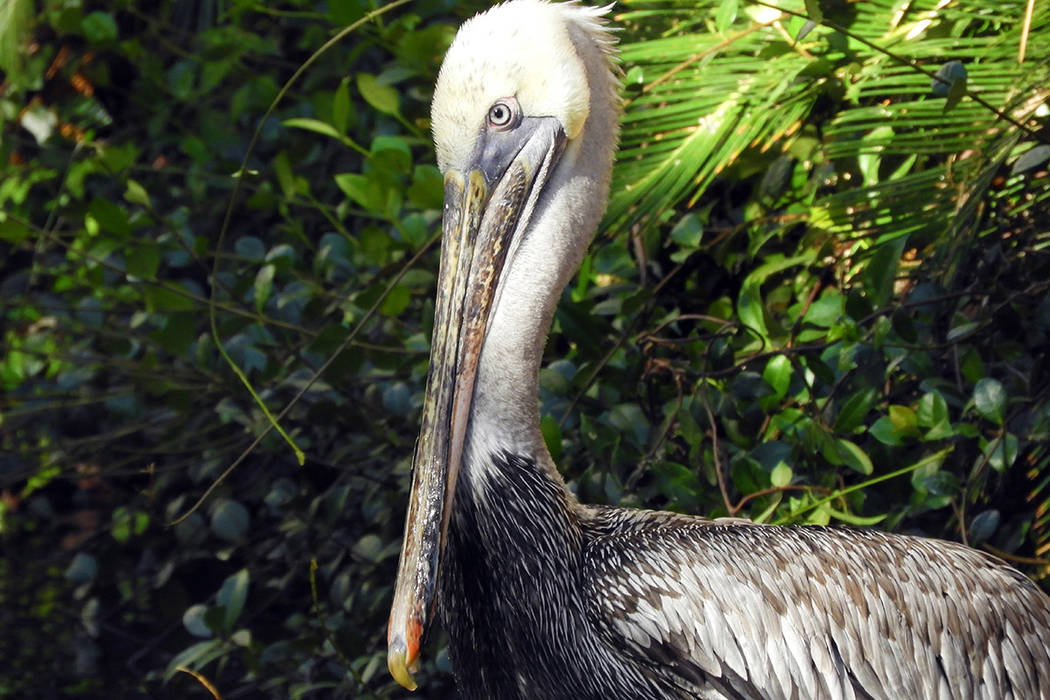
[698,100]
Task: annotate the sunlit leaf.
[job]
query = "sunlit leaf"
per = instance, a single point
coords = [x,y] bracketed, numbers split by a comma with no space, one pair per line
[854,457]
[781,475]
[778,374]
[989,397]
[382,97]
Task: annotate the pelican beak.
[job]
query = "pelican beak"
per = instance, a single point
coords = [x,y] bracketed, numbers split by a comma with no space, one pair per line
[484,207]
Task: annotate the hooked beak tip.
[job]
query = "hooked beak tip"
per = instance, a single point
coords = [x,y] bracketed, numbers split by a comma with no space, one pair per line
[402,659]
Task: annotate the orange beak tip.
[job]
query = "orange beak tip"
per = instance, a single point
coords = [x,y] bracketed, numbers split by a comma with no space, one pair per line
[402,655]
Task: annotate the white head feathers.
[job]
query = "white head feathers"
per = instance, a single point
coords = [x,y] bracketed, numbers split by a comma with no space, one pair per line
[528,49]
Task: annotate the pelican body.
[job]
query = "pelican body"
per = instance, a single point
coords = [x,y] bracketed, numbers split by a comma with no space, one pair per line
[543,597]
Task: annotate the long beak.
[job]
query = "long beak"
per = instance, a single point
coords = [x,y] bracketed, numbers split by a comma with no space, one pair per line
[477,231]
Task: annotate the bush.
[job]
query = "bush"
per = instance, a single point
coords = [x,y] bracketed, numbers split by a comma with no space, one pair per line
[819,295]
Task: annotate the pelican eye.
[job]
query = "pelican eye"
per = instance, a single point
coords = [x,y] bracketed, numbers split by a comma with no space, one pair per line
[504,114]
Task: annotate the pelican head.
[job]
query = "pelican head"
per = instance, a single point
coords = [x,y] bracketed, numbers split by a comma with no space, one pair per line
[525,125]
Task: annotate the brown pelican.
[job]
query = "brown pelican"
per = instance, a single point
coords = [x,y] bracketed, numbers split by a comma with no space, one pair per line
[543,597]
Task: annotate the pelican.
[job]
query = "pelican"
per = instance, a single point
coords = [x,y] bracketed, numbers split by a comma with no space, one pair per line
[543,597]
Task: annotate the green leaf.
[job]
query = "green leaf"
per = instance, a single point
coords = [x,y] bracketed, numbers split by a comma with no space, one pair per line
[726,14]
[315,125]
[884,431]
[813,11]
[821,515]
[904,326]
[14,232]
[940,431]
[341,106]
[427,188]
[230,521]
[16,20]
[370,548]
[194,620]
[781,475]
[144,260]
[687,233]
[127,523]
[397,398]
[854,457]
[250,247]
[382,97]
[263,285]
[551,435]
[881,271]
[282,170]
[989,398]
[961,331]
[1002,452]
[749,308]
[932,413]
[231,597]
[904,421]
[677,482]
[854,410]
[196,656]
[99,27]
[932,410]
[110,217]
[390,155]
[870,159]
[396,301]
[178,333]
[778,374]
[137,194]
[363,190]
[163,299]
[826,310]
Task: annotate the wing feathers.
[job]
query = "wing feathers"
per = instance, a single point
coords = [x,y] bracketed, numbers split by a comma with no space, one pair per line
[742,610]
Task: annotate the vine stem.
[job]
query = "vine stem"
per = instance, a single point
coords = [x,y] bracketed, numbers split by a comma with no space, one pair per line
[213,303]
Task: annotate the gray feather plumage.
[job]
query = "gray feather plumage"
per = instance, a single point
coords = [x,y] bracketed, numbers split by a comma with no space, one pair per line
[546,598]
[780,612]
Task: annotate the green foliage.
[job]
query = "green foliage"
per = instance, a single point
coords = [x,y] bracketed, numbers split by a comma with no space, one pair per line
[819,296]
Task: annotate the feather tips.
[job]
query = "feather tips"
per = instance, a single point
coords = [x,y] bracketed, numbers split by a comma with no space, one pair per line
[817,612]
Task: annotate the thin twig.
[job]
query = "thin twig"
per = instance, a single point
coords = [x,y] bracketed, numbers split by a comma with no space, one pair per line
[241,174]
[714,449]
[317,375]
